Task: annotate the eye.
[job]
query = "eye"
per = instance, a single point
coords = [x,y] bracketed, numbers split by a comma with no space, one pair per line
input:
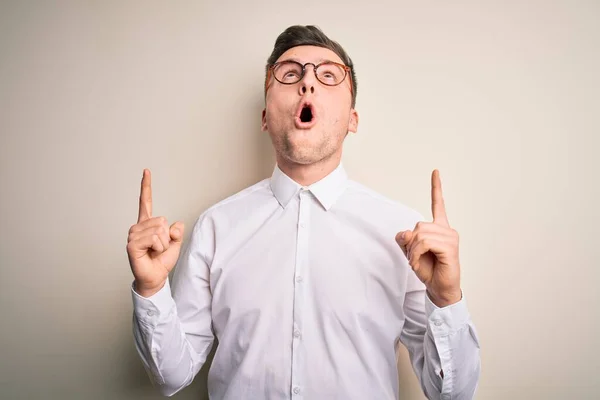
[328,76]
[288,72]
[330,73]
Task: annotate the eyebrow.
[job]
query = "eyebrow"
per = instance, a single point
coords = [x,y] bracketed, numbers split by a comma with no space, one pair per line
[319,61]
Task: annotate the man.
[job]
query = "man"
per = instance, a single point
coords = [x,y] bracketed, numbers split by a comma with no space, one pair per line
[308,280]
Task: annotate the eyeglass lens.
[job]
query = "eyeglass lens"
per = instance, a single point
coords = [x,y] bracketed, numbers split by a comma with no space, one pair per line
[327,73]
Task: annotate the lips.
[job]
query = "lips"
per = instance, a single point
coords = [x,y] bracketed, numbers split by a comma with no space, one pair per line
[306,117]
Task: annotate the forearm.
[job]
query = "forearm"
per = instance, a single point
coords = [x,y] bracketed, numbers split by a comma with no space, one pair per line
[443,347]
[162,344]
[451,352]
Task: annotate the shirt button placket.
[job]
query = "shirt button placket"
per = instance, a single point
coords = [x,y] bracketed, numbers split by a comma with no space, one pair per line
[300,270]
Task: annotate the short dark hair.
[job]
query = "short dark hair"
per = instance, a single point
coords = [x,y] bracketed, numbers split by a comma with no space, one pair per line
[310,35]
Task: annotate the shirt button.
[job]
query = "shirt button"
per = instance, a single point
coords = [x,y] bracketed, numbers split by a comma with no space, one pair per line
[298,279]
[150,313]
[297,333]
[437,322]
[296,390]
[301,225]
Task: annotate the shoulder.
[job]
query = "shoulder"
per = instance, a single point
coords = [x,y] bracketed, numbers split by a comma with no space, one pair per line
[378,207]
[238,205]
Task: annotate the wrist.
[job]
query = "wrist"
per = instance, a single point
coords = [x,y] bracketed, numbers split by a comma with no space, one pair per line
[446,299]
[147,290]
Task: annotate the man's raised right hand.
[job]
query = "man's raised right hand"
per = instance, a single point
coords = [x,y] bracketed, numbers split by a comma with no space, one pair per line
[152,246]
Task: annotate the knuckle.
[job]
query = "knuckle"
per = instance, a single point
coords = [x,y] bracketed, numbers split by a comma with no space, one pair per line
[131,247]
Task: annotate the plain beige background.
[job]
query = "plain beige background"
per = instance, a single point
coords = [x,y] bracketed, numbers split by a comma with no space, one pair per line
[501,96]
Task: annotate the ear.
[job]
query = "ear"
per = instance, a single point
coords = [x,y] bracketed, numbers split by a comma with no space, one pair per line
[263,126]
[353,123]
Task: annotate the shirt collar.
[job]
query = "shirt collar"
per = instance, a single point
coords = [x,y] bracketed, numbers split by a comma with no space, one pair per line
[326,191]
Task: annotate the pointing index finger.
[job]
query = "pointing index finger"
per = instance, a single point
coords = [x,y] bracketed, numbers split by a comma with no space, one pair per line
[145,211]
[438,207]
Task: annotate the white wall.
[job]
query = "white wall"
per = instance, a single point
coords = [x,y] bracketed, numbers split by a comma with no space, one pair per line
[501,96]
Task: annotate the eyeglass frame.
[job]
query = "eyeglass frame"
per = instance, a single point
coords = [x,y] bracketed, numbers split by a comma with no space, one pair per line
[347,70]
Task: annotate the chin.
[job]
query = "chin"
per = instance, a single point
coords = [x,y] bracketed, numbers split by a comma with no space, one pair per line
[303,146]
[306,156]
[302,159]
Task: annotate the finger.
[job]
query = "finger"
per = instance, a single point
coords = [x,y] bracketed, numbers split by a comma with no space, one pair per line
[423,246]
[139,248]
[438,207]
[403,239]
[445,235]
[159,231]
[420,236]
[156,221]
[431,227]
[145,211]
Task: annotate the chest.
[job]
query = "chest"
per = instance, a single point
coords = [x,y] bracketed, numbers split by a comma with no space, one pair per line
[328,266]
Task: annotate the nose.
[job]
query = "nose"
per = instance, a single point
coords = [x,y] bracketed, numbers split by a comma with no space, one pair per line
[305,88]
[307,84]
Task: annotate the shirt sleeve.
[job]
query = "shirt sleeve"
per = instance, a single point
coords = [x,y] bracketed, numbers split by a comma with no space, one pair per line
[172,329]
[443,346]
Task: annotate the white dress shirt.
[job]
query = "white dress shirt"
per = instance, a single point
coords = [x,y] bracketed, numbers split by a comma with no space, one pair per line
[308,295]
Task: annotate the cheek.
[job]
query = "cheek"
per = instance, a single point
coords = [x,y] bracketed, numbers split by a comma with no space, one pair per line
[336,115]
[277,110]
[337,108]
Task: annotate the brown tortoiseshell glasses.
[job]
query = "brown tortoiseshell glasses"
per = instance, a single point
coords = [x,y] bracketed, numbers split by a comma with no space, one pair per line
[289,72]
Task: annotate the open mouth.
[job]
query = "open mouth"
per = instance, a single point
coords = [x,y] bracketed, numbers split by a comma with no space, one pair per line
[306,114]
[305,117]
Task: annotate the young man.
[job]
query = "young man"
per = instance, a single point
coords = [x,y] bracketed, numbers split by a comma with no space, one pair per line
[308,280]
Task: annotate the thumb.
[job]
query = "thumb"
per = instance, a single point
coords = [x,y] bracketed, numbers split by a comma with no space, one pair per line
[402,238]
[176,233]
[170,256]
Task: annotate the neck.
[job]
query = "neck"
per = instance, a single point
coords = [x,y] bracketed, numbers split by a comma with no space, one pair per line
[307,174]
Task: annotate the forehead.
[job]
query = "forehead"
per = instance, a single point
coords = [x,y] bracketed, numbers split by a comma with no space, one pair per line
[313,54]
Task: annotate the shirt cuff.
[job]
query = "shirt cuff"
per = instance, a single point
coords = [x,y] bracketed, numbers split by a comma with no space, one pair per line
[149,309]
[446,320]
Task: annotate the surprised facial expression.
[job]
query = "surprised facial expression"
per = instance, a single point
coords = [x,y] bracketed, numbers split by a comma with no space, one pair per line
[308,120]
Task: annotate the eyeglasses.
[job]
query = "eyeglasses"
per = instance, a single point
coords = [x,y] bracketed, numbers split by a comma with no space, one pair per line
[289,72]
